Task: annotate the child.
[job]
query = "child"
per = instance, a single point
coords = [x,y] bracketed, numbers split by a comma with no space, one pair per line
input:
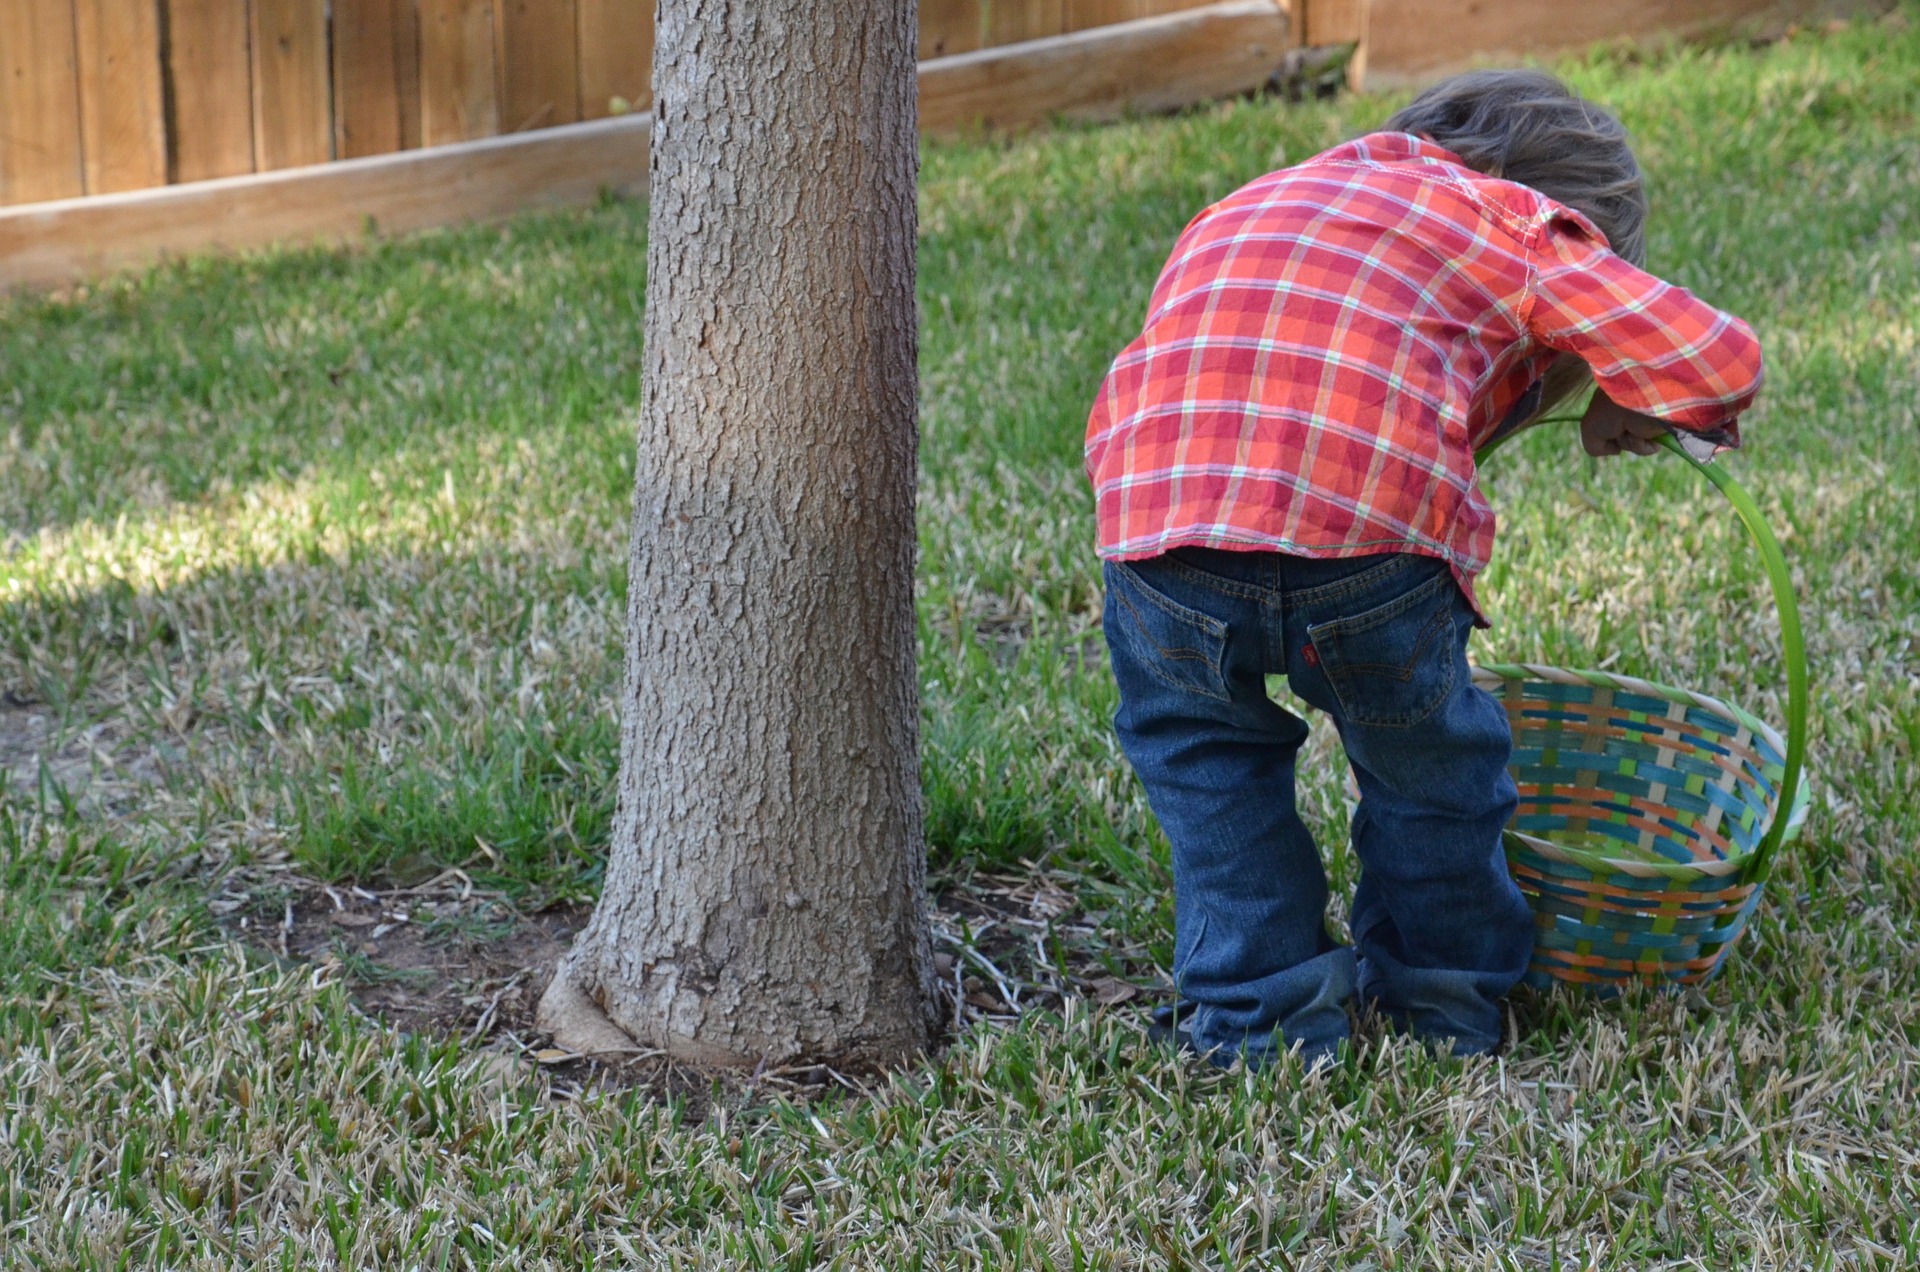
[1283,464]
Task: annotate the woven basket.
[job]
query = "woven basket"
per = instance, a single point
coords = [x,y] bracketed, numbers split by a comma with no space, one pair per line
[1649,816]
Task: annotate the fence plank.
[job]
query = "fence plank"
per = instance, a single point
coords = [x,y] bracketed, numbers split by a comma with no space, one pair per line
[292,119]
[458,95]
[40,155]
[1082,14]
[1155,8]
[1341,22]
[1154,64]
[1334,21]
[406,70]
[950,26]
[366,79]
[1418,41]
[616,55]
[483,180]
[123,126]
[539,60]
[1012,21]
[211,79]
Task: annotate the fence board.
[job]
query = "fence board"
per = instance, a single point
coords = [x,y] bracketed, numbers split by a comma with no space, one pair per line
[539,61]
[123,128]
[1014,21]
[1081,14]
[1157,63]
[1084,14]
[1334,21]
[292,116]
[366,77]
[212,81]
[950,26]
[616,55]
[1158,8]
[406,69]
[1341,22]
[458,95]
[1418,41]
[40,155]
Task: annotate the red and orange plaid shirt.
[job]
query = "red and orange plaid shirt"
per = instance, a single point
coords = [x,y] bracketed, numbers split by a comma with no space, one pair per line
[1328,345]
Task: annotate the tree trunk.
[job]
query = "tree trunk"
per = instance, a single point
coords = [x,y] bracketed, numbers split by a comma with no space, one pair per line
[765,894]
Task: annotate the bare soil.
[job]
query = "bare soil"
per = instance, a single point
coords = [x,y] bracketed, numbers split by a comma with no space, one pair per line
[95,766]
[447,958]
[444,957]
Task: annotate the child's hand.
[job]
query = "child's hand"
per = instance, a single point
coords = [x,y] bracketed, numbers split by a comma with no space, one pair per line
[1608,429]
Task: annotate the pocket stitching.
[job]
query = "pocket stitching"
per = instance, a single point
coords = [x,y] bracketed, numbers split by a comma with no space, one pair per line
[1384,612]
[1181,613]
[1404,673]
[1212,626]
[1374,618]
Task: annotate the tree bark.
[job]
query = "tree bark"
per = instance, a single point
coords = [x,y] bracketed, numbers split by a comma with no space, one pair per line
[765,892]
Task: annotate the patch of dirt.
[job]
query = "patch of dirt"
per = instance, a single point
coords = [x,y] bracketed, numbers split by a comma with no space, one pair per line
[444,957]
[95,766]
[1007,945]
[451,959]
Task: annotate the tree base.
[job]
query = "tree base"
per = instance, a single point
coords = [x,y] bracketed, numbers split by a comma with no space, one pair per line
[577,1023]
[580,1025]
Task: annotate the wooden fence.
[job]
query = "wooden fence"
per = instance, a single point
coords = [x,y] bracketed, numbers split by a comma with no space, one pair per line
[1156,63]
[961,26]
[99,96]
[135,129]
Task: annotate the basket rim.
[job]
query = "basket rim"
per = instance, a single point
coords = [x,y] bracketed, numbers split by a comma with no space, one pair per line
[1502,673]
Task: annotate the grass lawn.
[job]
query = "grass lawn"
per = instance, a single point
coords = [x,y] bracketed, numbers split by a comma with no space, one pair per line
[313,575]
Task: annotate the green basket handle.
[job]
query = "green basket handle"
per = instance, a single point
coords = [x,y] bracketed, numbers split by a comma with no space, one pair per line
[1792,645]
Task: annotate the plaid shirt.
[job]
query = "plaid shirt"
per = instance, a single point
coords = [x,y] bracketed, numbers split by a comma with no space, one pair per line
[1328,345]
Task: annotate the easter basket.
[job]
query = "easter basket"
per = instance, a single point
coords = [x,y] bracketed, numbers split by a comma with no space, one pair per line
[1649,816]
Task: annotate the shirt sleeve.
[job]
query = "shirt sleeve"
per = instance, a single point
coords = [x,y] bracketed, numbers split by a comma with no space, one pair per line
[1654,348]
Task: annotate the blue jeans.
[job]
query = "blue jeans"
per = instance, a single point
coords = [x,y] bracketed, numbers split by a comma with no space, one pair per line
[1379,644]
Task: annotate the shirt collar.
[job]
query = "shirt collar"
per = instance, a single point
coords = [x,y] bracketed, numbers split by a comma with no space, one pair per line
[1394,147]
[1399,147]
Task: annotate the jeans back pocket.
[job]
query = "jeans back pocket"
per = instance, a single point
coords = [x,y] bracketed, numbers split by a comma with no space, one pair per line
[1394,664]
[1177,645]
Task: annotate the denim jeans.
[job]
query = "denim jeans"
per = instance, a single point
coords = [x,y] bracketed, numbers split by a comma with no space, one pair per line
[1379,644]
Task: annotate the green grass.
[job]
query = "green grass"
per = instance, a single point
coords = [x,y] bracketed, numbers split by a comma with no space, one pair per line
[317,560]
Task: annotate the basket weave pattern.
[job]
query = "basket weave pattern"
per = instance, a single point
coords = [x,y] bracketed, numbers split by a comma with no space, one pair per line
[1649,817]
[1641,809]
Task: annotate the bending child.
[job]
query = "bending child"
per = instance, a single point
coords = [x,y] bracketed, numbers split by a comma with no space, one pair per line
[1283,464]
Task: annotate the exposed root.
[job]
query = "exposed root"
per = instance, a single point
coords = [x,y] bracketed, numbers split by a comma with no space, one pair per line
[577,1023]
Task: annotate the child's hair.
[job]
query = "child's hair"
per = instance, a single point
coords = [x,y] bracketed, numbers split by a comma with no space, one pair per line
[1527,126]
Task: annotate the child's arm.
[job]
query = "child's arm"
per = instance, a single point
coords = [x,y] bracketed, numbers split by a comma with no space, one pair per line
[1658,353]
